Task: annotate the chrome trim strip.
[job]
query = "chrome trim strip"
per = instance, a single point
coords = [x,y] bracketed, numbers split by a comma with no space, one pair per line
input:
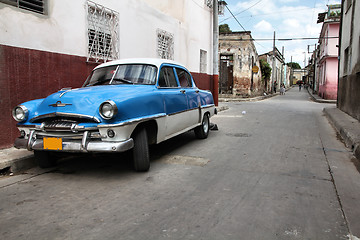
[135,120]
[208,106]
[67,90]
[30,140]
[61,114]
[25,126]
[187,110]
[84,140]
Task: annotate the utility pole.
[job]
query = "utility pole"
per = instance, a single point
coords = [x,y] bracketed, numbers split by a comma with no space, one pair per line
[273,67]
[215,51]
[282,66]
[291,73]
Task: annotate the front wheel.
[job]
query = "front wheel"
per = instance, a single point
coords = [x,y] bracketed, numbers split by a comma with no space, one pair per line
[202,131]
[45,159]
[141,157]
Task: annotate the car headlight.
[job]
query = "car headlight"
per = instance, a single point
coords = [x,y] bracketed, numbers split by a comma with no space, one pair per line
[108,109]
[20,113]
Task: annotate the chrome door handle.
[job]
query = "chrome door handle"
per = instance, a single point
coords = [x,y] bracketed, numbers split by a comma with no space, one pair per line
[182,91]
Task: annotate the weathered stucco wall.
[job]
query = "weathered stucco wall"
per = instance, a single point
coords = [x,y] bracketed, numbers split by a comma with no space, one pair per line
[240,46]
[349,69]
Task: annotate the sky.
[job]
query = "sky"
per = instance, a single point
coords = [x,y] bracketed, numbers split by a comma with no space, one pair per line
[288,18]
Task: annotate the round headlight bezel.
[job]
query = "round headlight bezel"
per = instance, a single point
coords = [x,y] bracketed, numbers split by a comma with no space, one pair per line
[113,110]
[24,113]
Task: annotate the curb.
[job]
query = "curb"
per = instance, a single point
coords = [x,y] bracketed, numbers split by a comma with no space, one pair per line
[347,127]
[16,160]
[318,99]
[253,99]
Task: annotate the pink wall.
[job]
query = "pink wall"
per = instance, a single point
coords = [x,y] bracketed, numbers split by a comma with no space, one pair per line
[328,89]
[333,31]
[328,81]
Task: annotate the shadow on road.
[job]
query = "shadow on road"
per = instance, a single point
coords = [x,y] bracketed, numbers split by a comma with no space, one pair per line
[115,163]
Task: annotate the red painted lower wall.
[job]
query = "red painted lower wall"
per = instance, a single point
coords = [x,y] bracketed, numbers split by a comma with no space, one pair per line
[27,74]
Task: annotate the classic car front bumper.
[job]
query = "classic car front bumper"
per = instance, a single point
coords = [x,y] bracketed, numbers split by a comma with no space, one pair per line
[86,144]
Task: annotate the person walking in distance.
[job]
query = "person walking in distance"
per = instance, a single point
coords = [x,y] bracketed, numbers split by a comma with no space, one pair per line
[282,89]
[300,85]
[275,85]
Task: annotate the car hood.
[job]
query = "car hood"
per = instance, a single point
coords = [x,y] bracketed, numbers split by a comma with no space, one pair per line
[86,101]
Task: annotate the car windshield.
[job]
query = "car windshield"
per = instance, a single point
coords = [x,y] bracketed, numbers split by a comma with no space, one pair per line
[123,74]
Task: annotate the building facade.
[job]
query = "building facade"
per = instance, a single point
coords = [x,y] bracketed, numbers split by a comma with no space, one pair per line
[238,64]
[298,75]
[349,69]
[328,59]
[278,70]
[46,45]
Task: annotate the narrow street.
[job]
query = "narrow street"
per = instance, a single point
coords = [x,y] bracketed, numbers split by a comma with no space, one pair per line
[267,173]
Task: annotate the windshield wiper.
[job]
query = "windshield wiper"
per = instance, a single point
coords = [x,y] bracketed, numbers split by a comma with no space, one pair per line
[123,80]
[98,82]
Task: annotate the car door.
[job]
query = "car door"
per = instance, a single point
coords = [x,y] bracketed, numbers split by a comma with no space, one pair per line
[192,97]
[175,102]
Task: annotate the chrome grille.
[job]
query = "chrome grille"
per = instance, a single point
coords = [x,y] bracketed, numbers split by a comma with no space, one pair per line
[60,124]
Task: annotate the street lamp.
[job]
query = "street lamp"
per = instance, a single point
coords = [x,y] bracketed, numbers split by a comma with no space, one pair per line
[222,5]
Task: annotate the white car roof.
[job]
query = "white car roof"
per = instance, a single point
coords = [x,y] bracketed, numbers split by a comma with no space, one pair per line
[152,61]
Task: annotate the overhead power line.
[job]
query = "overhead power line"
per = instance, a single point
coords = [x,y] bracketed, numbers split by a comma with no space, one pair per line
[267,14]
[235,18]
[281,39]
[241,11]
[242,25]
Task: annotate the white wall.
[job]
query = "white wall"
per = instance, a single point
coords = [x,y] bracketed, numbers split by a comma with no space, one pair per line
[64,29]
[345,38]
[61,31]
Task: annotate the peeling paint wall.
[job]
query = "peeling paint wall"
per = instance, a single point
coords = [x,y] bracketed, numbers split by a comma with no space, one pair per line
[239,45]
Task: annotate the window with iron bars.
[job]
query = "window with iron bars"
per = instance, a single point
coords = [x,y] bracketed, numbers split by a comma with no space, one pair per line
[165,41]
[103,33]
[38,6]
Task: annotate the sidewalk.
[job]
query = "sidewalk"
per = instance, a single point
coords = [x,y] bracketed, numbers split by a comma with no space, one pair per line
[347,126]
[230,98]
[317,98]
[15,160]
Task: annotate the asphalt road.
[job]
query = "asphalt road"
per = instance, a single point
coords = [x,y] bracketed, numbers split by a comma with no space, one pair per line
[263,175]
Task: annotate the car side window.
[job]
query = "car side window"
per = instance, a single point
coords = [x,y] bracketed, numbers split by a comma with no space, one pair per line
[184,78]
[167,77]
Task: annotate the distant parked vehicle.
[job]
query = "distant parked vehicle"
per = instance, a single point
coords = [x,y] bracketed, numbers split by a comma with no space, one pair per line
[123,105]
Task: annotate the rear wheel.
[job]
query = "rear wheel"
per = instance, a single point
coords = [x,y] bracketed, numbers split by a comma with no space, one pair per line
[202,131]
[141,151]
[45,159]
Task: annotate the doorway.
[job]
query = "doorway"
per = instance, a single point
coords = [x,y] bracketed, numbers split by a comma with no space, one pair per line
[226,74]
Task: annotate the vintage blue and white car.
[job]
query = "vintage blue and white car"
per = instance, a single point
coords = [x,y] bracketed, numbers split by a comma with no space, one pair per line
[123,105]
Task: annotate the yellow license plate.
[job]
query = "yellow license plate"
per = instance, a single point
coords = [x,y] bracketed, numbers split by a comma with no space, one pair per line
[52,143]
